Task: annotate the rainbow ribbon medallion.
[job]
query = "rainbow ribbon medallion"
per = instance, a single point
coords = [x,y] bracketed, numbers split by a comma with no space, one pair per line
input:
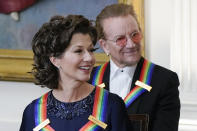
[99,111]
[145,78]
[40,113]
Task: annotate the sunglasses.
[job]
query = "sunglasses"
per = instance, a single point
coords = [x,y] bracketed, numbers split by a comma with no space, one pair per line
[121,41]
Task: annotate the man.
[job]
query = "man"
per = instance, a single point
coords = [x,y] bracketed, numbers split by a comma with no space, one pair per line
[119,37]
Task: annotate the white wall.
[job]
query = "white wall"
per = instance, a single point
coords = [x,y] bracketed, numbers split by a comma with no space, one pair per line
[158,20]
[14,96]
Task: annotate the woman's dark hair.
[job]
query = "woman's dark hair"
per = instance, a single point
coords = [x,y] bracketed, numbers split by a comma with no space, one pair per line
[51,41]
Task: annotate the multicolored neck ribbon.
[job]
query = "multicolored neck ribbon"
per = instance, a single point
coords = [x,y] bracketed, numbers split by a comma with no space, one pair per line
[40,112]
[99,110]
[98,75]
[145,77]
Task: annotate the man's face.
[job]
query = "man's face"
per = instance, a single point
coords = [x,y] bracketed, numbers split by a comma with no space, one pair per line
[116,29]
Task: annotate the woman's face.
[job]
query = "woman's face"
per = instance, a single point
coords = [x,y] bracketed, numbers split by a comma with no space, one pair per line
[77,61]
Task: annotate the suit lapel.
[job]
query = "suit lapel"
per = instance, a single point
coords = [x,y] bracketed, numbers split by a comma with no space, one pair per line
[133,108]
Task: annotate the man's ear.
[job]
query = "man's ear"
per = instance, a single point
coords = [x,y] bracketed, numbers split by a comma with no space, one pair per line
[104,46]
[55,61]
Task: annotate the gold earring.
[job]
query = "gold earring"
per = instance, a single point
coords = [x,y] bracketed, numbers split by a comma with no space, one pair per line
[58,67]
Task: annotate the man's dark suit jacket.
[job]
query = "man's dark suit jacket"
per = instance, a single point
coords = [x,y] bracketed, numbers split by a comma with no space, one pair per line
[162,104]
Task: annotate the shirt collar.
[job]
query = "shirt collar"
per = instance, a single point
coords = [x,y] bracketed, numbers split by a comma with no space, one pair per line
[114,69]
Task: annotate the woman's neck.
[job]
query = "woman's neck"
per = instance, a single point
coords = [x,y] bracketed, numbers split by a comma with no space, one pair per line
[72,91]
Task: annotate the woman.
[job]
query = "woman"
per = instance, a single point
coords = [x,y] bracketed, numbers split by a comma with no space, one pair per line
[63,60]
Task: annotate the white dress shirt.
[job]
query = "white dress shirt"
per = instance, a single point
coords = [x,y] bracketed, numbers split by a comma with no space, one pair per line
[120,79]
